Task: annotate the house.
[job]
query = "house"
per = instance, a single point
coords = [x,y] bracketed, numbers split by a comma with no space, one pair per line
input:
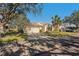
[68,27]
[36,28]
[31,28]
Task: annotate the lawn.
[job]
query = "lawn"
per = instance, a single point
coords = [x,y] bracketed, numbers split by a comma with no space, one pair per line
[60,34]
[11,38]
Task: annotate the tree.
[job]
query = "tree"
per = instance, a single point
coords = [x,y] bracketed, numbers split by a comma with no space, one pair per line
[67,19]
[20,22]
[49,27]
[73,18]
[11,10]
[56,22]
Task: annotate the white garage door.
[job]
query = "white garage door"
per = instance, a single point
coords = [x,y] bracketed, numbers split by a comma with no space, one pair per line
[35,30]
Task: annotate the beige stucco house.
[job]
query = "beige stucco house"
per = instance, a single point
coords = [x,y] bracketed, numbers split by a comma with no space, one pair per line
[30,29]
[37,28]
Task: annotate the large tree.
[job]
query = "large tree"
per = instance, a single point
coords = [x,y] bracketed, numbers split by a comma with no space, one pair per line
[73,18]
[21,22]
[10,11]
[67,19]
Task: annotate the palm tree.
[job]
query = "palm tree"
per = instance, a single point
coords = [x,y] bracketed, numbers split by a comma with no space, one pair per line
[56,22]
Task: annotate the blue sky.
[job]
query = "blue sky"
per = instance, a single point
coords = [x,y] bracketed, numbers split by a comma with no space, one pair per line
[51,9]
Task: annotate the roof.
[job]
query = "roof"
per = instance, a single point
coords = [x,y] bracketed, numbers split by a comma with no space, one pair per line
[37,24]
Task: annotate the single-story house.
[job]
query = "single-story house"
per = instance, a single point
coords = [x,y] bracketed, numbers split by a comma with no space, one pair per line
[32,28]
[36,28]
[68,27]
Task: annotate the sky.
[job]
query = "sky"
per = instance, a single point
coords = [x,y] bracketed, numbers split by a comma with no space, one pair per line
[52,9]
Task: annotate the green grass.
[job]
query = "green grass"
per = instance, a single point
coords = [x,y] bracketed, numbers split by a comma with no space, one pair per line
[11,38]
[59,34]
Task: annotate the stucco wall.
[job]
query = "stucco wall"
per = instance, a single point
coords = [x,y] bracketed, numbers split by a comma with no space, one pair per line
[34,30]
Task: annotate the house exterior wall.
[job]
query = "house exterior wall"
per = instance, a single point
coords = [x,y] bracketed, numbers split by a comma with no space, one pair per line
[45,28]
[53,28]
[1,28]
[37,28]
[34,30]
